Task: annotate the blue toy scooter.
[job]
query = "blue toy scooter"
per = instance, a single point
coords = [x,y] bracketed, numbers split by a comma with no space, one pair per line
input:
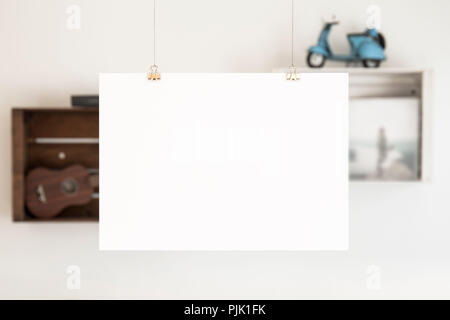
[367,47]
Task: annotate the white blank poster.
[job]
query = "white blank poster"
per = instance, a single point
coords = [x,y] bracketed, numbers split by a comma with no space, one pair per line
[224,162]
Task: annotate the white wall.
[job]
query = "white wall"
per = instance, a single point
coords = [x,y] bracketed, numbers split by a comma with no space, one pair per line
[403,229]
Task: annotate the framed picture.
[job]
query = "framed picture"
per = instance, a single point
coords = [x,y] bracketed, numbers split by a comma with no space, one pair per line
[385,139]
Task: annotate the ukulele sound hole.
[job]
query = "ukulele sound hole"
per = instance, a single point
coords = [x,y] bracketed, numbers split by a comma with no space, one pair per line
[69,186]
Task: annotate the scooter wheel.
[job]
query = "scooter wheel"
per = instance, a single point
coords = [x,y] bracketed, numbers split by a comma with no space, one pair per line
[371,63]
[316,60]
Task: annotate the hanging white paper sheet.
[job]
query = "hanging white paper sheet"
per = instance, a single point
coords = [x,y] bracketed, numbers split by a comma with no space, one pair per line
[223,162]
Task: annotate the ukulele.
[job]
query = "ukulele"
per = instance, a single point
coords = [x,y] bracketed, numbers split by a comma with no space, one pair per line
[48,192]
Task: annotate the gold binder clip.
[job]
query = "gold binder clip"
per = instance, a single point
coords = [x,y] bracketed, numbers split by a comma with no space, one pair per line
[153,73]
[292,74]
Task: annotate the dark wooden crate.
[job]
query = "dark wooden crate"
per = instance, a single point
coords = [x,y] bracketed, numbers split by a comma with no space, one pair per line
[31,123]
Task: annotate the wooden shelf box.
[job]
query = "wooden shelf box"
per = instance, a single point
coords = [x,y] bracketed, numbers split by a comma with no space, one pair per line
[55,139]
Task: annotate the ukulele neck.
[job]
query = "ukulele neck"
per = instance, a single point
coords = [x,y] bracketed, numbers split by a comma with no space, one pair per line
[94,180]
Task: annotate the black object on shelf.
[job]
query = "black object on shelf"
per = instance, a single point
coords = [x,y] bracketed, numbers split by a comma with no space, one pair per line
[88,101]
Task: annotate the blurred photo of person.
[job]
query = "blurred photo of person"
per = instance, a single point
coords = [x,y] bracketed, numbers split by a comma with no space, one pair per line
[382,151]
[384,139]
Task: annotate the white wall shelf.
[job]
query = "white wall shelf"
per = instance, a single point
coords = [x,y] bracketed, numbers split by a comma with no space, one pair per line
[382,82]
[394,83]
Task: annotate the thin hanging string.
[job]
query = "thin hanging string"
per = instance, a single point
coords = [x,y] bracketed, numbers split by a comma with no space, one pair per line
[292,32]
[154,32]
